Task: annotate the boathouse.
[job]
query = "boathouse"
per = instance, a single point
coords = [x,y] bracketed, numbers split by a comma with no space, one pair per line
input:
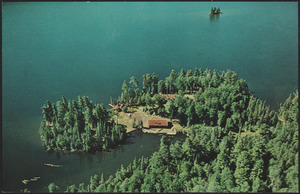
[158,123]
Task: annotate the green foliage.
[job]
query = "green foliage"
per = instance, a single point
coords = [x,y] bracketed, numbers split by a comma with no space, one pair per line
[53,188]
[284,151]
[85,126]
[215,10]
[213,160]
[219,99]
[134,83]
[236,143]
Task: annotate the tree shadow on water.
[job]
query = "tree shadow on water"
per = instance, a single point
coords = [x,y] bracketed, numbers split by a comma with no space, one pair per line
[214,17]
[129,140]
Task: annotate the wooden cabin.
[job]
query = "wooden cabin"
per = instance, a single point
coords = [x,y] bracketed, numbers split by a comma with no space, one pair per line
[158,123]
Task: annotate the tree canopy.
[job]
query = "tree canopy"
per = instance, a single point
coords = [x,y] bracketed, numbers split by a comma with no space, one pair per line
[235,142]
[211,159]
[83,126]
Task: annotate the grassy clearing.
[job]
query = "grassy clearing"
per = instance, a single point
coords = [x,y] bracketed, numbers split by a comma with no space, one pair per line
[137,118]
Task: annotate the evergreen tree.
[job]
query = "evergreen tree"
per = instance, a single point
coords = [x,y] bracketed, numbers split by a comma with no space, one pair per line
[134,83]
[161,86]
[52,187]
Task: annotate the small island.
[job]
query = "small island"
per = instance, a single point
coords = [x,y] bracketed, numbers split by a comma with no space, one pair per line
[82,126]
[215,11]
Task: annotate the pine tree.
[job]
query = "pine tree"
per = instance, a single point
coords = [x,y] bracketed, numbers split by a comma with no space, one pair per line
[134,83]
[52,187]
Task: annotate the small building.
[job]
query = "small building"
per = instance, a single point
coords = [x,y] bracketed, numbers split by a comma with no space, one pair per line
[117,107]
[158,123]
[168,96]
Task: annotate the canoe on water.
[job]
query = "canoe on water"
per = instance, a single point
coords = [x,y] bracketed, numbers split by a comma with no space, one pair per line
[25,181]
[52,165]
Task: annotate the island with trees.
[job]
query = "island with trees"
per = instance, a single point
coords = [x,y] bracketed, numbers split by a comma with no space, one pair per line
[234,143]
[215,11]
[79,126]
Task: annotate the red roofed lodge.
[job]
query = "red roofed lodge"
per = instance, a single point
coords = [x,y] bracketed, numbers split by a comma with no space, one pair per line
[158,123]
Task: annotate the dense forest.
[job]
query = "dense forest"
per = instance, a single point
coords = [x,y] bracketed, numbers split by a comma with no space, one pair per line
[235,143]
[209,97]
[81,126]
[214,160]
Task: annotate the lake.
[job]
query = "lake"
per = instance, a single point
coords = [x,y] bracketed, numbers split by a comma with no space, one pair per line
[55,49]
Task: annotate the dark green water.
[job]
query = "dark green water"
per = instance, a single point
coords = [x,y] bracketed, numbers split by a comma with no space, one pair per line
[77,48]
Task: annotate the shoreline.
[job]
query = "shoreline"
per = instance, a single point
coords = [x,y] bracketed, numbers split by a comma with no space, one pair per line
[160,131]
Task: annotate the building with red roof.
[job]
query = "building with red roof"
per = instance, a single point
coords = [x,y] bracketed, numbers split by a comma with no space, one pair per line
[158,123]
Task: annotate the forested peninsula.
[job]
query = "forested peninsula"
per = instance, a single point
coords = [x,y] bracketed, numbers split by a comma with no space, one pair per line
[234,143]
[82,126]
[200,97]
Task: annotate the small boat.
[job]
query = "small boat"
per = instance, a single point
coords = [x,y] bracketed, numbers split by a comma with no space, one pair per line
[47,164]
[35,178]
[52,165]
[25,181]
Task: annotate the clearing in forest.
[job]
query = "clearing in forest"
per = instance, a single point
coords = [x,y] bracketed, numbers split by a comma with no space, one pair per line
[136,118]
